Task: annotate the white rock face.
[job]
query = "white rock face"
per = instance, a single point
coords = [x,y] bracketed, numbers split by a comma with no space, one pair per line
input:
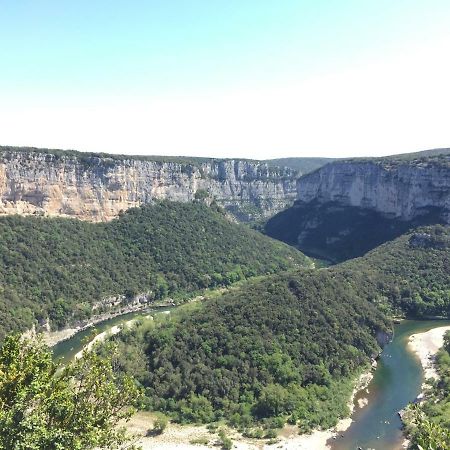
[402,189]
[97,189]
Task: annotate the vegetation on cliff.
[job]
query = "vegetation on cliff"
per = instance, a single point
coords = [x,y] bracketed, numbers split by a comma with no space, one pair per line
[410,275]
[92,159]
[302,165]
[58,268]
[434,157]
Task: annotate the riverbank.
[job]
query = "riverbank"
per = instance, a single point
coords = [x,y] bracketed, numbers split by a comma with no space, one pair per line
[51,338]
[425,346]
[183,437]
[321,439]
[103,336]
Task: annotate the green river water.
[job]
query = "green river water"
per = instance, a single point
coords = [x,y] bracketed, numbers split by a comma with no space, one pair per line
[66,350]
[397,381]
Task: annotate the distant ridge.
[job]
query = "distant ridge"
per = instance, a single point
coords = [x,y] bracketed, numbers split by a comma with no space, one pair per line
[302,164]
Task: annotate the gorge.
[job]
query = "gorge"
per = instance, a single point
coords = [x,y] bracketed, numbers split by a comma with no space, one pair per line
[272,336]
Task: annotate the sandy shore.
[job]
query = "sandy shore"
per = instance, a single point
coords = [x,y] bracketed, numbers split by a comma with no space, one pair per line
[426,345]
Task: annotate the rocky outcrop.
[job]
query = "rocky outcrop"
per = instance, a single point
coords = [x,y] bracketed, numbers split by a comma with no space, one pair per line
[402,189]
[97,188]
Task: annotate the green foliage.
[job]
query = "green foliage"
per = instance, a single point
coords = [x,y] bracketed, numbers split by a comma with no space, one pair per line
[302,165]
[160,424]
[76,407]
[428,425]
[58,268]
[410,275]
[199,441]
[426,433]
[248,355]
[225,442]
[286,347]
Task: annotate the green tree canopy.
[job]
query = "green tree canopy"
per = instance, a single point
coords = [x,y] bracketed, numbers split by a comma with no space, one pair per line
[46,407]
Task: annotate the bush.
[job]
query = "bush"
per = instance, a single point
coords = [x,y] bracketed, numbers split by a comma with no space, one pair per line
[160,424]
[225,442]
[271,434]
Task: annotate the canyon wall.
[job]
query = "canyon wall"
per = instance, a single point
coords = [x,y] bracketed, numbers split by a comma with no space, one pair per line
[347,208]
[97,188]
[397,189]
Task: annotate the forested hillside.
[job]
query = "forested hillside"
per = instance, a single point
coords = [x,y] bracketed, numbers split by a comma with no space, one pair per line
[58,268]
[410,275]
[287,347]
[335,232]
[281,346]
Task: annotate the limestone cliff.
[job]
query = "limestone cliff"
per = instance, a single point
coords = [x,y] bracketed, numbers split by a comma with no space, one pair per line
[403,189]
[347,208]
[98,187]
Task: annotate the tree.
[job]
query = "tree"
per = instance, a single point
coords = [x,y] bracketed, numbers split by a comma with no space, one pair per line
[427,435]
[45,407]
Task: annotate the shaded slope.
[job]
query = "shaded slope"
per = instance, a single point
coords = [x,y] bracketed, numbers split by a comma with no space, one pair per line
[349,207]
[339,232]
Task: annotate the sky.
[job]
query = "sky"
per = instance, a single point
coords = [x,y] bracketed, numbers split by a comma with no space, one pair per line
[226,78]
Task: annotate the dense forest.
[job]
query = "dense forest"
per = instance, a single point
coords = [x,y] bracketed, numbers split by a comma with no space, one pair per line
[58,268]
[408,276]
[287,347]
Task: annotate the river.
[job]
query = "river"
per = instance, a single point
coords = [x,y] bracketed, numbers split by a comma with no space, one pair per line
[397,381]
[66,350]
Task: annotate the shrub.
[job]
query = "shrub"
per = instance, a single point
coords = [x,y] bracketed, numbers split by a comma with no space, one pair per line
[160,424]
[225,442]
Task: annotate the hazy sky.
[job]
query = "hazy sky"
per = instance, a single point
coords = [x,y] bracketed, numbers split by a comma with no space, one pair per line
[245,78]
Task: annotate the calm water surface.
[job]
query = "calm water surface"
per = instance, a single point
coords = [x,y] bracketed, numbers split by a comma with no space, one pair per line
[66,350]
[397,382]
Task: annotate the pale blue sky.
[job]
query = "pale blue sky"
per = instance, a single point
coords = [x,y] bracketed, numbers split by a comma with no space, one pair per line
[247,78]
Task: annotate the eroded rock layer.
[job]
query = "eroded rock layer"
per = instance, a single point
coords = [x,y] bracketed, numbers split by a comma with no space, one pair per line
[97,188]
